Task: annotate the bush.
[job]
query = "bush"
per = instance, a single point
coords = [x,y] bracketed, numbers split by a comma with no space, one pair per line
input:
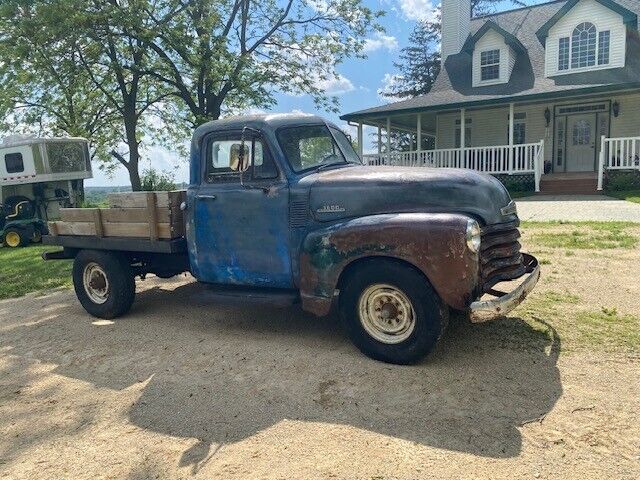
[623,180]
[154,181]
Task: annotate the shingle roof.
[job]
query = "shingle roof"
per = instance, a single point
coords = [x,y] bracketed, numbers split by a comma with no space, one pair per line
[453,87]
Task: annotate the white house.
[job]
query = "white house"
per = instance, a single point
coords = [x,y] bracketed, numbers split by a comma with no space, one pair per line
[548,94]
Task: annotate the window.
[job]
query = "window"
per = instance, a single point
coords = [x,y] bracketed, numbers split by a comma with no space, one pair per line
[563,54]
[519,128]
[345,145]
[583,45]
[225,158]
[582,133]
[490,65]
[66,157]
[311,146]
[604,41]
[14,163]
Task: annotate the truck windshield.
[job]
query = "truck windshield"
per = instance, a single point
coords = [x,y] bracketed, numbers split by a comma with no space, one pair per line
[309,147]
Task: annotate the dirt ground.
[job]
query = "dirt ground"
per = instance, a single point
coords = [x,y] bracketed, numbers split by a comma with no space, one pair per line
[182,387]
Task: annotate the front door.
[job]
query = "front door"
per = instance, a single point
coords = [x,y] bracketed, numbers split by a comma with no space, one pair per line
[241,220]
[581,142]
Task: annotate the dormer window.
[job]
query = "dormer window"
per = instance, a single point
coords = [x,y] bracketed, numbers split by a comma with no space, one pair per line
[584,48]
[490,65]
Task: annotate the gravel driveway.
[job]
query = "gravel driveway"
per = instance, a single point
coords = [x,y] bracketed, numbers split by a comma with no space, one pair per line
[182,388]
[577,208]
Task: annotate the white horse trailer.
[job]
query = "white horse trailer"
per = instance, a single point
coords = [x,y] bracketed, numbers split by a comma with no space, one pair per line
[50,172]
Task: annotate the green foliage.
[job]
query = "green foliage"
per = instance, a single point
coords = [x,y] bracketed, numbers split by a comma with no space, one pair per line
[628,195]
[585,236]
[155,181]
[22,270]
[622,181]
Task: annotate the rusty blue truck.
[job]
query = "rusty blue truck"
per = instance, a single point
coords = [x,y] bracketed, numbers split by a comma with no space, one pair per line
[280,208]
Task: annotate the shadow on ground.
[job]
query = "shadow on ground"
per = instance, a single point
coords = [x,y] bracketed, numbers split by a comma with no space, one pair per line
[221,374]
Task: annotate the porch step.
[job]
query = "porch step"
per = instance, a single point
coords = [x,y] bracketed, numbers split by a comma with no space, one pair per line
[566,184]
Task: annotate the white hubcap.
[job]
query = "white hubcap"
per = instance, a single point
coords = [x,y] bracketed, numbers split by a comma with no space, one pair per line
[386,313]
[95,283]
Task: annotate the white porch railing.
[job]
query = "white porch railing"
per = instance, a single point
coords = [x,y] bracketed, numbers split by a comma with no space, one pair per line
[500,159]
[618,154]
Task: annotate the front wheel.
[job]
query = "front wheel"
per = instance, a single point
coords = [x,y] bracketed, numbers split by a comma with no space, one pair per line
[14,238]
[391,312]
[104,283]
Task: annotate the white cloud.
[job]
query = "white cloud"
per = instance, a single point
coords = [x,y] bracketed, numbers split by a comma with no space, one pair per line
[380,42]
[388,81]
[335,85]
[417,9]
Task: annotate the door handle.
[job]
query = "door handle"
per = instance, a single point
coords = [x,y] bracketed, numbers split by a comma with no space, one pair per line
[206,197]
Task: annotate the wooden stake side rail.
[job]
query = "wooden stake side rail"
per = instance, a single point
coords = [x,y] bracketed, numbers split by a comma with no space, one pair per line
[151,215]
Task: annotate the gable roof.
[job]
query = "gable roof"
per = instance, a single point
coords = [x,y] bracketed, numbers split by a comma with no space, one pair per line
[628,17]
[453,88]
[509,38]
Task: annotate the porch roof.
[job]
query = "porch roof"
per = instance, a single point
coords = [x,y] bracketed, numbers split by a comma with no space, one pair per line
[453,88]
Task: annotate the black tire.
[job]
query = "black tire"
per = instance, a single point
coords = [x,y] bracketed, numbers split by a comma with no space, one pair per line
[120,289]
[15,238]
[431,315]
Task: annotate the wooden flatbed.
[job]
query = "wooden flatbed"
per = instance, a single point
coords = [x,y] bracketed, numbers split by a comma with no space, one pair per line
[124,244]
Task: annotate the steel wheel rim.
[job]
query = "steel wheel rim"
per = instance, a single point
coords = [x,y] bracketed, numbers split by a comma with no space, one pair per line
[36,237]
[96,283]
[12,239]
[386,313]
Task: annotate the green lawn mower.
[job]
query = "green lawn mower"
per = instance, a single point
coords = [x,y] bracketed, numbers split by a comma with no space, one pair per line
[19,222]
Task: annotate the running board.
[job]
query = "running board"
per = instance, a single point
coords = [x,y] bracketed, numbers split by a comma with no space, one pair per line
[233,295]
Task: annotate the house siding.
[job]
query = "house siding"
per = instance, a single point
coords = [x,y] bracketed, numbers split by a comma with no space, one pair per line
[603,18]
[490,126]
[492,40]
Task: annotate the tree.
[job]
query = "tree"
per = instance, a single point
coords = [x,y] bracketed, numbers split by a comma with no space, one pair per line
[43,89]
[234,54]
[75,68]
[419,62]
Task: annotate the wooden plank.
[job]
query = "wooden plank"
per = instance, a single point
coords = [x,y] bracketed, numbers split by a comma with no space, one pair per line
[139,199]
[97,222]
[53,229]
[117,215]
[137,230]
[152,212]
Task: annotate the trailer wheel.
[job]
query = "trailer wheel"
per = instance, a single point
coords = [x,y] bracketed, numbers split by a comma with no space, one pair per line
[391,312]
[104,283]
[14,238]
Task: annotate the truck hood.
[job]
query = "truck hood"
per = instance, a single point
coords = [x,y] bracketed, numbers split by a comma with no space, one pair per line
[362,190]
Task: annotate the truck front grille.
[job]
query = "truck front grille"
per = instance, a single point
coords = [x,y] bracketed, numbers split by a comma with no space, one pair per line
[500,257]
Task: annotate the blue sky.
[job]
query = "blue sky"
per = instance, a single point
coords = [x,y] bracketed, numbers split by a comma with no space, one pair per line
[358,86]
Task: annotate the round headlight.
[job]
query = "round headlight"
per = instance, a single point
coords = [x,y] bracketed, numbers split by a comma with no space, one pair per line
[473,235]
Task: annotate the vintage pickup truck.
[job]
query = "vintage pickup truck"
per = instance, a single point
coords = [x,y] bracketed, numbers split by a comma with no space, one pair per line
[280,209]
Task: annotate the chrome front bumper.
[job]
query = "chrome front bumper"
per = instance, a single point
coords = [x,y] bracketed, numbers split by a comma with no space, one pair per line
[484,310]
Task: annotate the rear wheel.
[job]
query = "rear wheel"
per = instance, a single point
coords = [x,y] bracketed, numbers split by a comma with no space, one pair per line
[104,283]
[391,312]
[14,238]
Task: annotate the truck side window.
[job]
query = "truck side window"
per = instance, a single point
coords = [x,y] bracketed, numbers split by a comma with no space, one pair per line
[14,163]
[224,159]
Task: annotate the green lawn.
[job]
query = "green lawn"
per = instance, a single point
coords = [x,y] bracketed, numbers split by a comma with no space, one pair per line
[22,270]
[628,195]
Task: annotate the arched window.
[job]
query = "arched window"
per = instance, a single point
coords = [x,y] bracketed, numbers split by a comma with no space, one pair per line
[583,45]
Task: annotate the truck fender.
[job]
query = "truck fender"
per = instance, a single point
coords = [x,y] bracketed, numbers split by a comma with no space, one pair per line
[434,243]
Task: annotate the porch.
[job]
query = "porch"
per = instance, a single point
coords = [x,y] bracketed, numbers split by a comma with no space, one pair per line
[566,146]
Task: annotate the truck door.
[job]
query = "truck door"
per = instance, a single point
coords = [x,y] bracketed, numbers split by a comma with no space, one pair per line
[241,218]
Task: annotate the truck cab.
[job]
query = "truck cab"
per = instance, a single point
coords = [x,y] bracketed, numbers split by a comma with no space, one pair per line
[282,206]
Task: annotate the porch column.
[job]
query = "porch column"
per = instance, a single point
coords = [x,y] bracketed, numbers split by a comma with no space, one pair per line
[463,131]
[511,122]
[379,140]
[389,140]
[360,137]
[419,134]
